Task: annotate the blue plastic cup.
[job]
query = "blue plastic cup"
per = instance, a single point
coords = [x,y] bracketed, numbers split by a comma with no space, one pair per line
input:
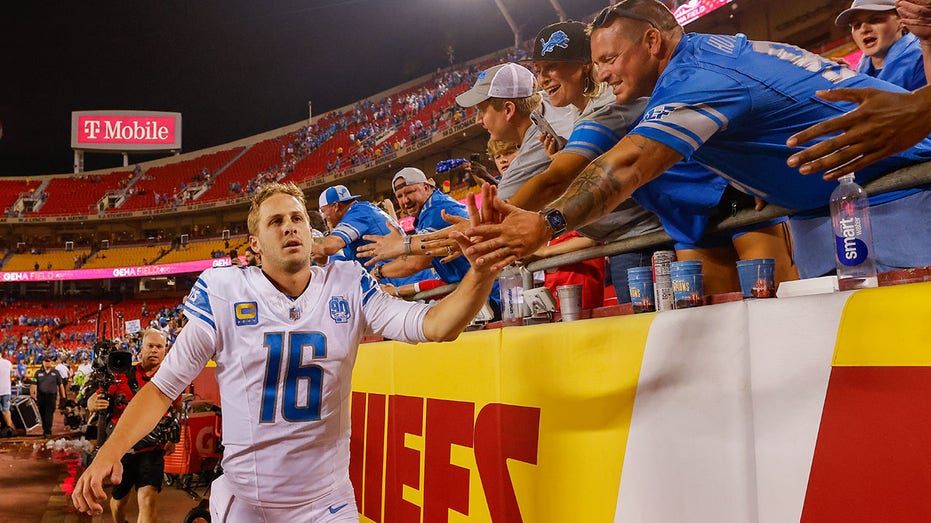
[687,283]
[757,277]
[640,282]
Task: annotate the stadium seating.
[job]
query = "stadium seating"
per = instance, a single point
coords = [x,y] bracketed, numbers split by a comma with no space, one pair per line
[167,179]
[75,195]
[58,260]
[258,158]
[125,256]
[201,250]
[10,190]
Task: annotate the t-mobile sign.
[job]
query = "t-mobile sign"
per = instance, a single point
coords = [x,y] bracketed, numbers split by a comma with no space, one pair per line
[125,130]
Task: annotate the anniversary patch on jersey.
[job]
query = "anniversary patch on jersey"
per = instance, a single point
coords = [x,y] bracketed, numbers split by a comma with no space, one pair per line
[339,309]
[246,312]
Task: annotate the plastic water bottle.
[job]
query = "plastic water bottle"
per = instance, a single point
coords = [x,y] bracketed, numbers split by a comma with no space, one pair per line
[853,236]
[511,288]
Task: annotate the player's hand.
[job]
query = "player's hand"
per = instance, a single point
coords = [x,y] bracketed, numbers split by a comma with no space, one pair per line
[317,254]
[169,447]
[505,233]
[382,248]
[885,123]
[441,243]
[464,242]
[88,491]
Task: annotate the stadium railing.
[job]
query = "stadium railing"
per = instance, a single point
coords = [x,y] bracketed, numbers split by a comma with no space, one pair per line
[913,176]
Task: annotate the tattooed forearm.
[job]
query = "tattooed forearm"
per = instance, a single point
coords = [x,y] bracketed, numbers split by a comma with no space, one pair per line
[594,193]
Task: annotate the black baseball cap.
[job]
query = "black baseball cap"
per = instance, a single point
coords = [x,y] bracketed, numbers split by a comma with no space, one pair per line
[562,42]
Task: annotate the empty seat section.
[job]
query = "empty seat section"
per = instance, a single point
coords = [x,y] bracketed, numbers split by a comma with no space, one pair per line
[125,256]
[80,195]
[171,179]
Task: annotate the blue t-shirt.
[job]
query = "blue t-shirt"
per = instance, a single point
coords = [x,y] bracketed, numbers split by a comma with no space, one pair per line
[903,65]
[730,103]
[364,218]
[430,219]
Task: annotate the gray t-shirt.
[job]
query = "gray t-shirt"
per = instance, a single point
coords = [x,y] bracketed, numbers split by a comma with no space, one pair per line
[531,158]
[598,128]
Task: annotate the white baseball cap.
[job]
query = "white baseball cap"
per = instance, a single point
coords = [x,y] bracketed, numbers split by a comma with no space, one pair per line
[508,80]
[337,193]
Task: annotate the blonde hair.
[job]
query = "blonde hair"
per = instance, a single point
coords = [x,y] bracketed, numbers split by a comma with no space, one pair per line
[266,192]
[496,147]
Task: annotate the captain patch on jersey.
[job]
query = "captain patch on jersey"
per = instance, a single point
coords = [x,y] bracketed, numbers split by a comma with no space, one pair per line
[247,313]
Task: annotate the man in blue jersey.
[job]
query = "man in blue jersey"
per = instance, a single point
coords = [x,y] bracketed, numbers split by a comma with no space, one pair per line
[352,220]
[417,196]
[730,104]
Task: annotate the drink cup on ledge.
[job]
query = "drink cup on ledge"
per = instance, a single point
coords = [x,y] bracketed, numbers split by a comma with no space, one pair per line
[757,277]
[570,301]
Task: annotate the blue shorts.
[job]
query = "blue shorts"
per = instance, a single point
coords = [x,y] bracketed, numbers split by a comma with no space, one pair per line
[4,403]
[901,237]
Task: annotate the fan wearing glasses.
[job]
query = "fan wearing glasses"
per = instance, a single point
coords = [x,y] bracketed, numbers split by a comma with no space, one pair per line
[730,104]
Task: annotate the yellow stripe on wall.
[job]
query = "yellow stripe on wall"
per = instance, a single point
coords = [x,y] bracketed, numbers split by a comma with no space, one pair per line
[886,327]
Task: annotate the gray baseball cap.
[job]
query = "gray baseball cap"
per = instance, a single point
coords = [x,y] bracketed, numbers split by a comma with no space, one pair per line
[859,6]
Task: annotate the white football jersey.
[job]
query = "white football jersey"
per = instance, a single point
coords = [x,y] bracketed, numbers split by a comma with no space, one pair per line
[284,368]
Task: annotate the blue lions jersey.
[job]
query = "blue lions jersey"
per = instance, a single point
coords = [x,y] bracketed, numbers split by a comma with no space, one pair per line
[730,104]
[364,218]
[430,219]
[682,198]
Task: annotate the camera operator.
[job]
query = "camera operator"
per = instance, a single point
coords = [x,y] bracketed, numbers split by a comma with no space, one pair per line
[144,465]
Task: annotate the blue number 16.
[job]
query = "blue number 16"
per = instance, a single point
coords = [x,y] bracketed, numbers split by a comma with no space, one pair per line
[312,375]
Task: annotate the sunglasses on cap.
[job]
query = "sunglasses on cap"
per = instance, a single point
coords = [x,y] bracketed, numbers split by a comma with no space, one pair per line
[618,10]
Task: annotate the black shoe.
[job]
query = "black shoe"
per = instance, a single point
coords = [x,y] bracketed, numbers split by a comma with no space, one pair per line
[47,435]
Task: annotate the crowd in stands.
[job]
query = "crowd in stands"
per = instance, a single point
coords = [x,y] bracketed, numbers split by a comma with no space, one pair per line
[28,339]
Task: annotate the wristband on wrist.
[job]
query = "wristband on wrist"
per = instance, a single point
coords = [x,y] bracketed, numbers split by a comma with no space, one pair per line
[407,244]
[376,272]
[416,286]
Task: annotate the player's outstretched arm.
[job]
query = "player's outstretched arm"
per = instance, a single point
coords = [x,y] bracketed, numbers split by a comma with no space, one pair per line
[448,318]
[140,417]
[597,190]
[885,123]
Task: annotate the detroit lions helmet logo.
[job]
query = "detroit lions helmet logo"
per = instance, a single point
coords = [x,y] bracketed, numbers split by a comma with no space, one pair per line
[557,39]
[339,309]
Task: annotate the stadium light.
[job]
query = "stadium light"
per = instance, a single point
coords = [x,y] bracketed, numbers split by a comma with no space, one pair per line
[559,10]
[510,21]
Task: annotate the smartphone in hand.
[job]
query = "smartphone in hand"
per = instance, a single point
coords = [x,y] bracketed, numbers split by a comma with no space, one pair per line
[545,127]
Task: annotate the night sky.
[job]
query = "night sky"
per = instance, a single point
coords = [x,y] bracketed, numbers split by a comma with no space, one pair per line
[233,68]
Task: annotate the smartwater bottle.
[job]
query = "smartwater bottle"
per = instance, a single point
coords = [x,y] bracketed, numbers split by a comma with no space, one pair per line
[853,236]
[511,288]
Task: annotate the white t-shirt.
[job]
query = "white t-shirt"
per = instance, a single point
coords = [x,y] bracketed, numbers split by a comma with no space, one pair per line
[284,368]
[6,369]
[64,371]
